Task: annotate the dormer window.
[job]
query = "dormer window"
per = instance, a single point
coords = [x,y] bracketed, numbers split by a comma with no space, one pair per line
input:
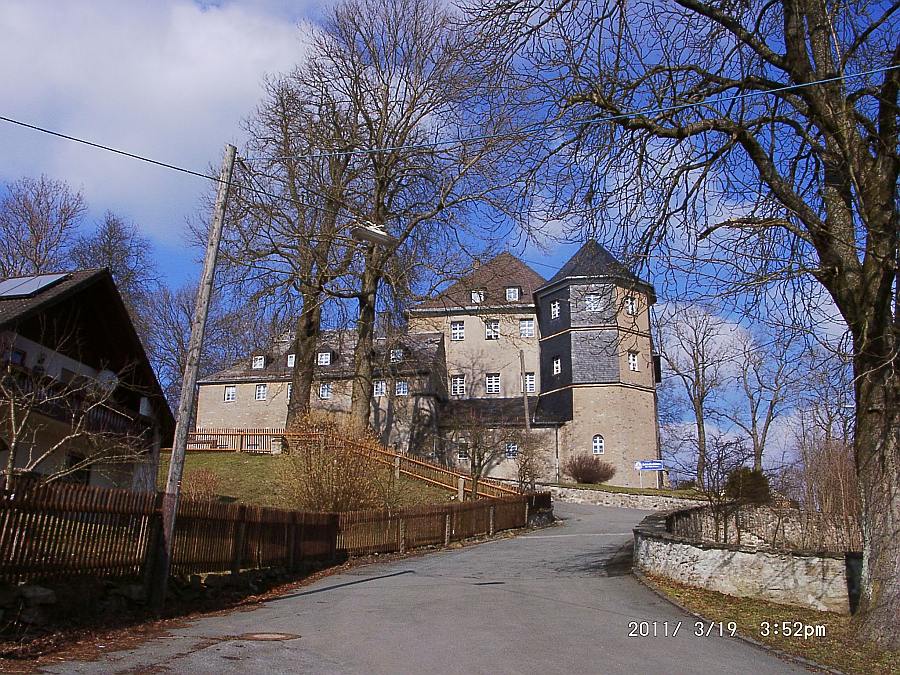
[259,362]
[291,360]
[324,358]
[396,355]
[477,297]
[512,293]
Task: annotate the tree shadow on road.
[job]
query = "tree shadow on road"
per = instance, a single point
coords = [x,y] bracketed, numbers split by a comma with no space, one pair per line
[607,561]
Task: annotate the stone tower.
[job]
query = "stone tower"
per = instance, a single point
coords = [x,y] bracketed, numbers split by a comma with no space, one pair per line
[598,373]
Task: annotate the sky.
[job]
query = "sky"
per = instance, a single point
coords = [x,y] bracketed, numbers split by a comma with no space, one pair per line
[168,79]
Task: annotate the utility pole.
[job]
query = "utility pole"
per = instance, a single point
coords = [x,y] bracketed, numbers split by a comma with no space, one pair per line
[189,385]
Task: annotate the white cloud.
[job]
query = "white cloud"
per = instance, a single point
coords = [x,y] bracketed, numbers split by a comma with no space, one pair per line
[168,79]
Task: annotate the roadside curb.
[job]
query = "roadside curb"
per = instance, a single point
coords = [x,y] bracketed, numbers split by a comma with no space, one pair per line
[785,656]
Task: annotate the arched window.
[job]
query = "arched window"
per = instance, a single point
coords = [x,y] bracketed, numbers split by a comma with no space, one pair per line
[598,445]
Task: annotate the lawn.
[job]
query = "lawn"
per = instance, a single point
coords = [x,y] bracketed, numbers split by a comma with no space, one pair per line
[838,648]
[253,479]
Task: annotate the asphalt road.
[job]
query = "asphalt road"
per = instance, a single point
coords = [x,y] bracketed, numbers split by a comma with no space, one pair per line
[558,600]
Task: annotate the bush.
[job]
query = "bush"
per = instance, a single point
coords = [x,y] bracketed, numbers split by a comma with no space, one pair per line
[746,486]
[588,469]
[200,485]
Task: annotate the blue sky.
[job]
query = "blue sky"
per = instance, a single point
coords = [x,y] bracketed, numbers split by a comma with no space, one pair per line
[168,79]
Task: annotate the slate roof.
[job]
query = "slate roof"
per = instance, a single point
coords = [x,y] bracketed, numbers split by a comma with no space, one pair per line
[13,310]
[423,354]
[490,412]
[593,260]
[494,277]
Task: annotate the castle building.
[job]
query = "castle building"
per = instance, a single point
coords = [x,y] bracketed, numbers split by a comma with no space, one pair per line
[500,361]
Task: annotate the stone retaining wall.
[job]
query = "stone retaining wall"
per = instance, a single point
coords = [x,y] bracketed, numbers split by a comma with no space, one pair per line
[621,500]
[815,580]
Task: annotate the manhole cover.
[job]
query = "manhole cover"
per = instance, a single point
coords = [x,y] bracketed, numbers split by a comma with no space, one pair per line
[268,637]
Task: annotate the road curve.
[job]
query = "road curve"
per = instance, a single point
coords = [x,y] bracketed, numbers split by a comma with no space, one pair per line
[557,600]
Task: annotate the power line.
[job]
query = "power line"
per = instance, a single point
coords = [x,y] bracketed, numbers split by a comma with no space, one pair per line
[532,128]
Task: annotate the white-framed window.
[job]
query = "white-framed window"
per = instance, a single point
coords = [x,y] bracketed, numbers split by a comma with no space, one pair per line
[633,361]
[259,362]
[290,390]
[512,293]
[554,309]
[401,388]
[592,302]
[325,390]
[526,328]
[230,393]
[396,355]
[492,383]
[379,388]
[324,358]
[462,451]
[631,305]
[262,391]
[598,446]
[511,449]
[557,365]
[477,297]
[457,330]
[292,359]
[528,384]
[457,385]
[492,329]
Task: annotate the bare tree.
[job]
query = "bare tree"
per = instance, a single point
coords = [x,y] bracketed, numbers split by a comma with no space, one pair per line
[696,349]
[765,375]
[484,442]
[117,245]
[763,135]
[62,429]
[39,218]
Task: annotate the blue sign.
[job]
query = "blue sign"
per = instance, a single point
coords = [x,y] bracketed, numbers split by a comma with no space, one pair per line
[649,465]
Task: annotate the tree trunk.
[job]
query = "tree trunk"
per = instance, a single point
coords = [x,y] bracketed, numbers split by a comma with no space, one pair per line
[305,342]
[877,446]
[701,448]
[361,401]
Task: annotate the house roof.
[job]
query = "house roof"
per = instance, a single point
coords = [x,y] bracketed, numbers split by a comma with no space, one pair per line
[493,277]
[489,412]
[83,313]
[593,260]
[423,353]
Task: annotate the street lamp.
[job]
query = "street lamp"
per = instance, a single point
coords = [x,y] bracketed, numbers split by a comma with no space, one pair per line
[368,231]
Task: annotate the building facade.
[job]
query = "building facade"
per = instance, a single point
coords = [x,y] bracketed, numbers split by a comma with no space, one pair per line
[499,361]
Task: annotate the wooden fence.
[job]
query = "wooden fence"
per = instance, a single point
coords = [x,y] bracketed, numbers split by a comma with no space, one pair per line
[269,441]
[61,530]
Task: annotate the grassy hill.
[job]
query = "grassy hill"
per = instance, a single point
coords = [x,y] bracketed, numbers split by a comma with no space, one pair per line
[254,479]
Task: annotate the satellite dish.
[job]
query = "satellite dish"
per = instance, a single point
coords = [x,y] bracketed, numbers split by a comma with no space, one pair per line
[108,381]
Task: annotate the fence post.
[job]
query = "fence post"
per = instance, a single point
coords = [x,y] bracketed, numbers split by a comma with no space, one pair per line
[292,541]
[240,447]
[397,467]
[334,522]
[491,520]
[237,551]
[151,554]
[527,501]
[461,488]
[447,529]
[402,535]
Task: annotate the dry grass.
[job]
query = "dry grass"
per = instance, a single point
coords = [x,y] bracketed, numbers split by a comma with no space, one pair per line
[255,479]
[839,649]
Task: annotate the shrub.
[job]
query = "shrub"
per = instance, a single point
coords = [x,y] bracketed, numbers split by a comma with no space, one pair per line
[200,485]
[588,469]
[746,486]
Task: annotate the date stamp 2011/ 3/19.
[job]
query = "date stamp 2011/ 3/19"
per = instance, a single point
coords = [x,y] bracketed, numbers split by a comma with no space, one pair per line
[665,629]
